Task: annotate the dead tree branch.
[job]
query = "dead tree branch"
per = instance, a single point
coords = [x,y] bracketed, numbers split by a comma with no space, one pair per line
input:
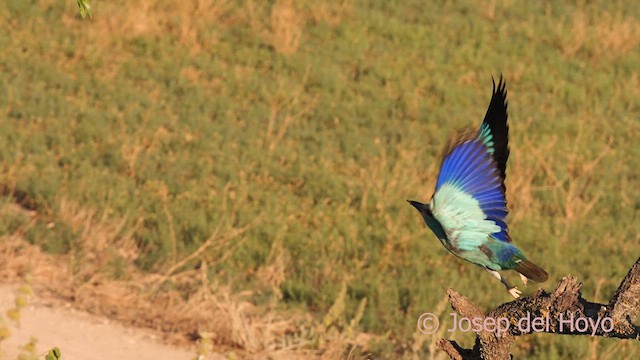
[563,311]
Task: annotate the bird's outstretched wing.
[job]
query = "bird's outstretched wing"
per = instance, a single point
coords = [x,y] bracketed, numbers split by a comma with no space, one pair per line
[469,201]
[494,131]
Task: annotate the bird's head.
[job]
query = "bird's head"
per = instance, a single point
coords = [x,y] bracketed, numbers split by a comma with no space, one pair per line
[424,209]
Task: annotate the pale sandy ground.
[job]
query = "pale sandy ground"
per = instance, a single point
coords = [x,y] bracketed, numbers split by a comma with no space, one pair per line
[81,336]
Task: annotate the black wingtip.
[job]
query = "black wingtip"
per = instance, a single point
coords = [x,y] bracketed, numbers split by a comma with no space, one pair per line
[500,81]
[501,88]
[496,119]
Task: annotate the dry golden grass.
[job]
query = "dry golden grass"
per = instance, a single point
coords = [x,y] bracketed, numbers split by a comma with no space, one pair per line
[273,273]
[99,235]
[209,312]
[611,35]
[287,109]
[158,17]
[286,27]
[331,13]
[618,34]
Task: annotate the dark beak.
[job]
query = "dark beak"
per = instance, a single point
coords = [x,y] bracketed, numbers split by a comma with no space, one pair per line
[418,205]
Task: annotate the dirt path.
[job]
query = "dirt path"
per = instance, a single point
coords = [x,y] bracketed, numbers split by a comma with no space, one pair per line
[81,336]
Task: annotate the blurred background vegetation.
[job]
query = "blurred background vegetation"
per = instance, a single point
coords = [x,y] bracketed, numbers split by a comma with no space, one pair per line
[274,143]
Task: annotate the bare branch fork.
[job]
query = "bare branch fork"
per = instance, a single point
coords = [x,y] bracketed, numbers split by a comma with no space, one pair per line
[563,311]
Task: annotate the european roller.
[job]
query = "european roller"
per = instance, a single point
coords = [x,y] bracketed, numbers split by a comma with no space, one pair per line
[468,210]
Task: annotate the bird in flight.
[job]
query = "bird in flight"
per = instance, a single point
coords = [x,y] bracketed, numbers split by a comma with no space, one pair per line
[468,210]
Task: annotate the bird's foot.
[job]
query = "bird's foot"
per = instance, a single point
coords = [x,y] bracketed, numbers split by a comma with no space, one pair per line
[515,292]
[524,279]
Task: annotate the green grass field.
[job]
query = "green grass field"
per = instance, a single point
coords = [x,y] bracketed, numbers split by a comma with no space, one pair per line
[290,134]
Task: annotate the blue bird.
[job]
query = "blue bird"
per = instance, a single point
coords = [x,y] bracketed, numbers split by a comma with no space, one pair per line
[468,210]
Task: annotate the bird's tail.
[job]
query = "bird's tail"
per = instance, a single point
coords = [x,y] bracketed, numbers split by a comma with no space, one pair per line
[531,271]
